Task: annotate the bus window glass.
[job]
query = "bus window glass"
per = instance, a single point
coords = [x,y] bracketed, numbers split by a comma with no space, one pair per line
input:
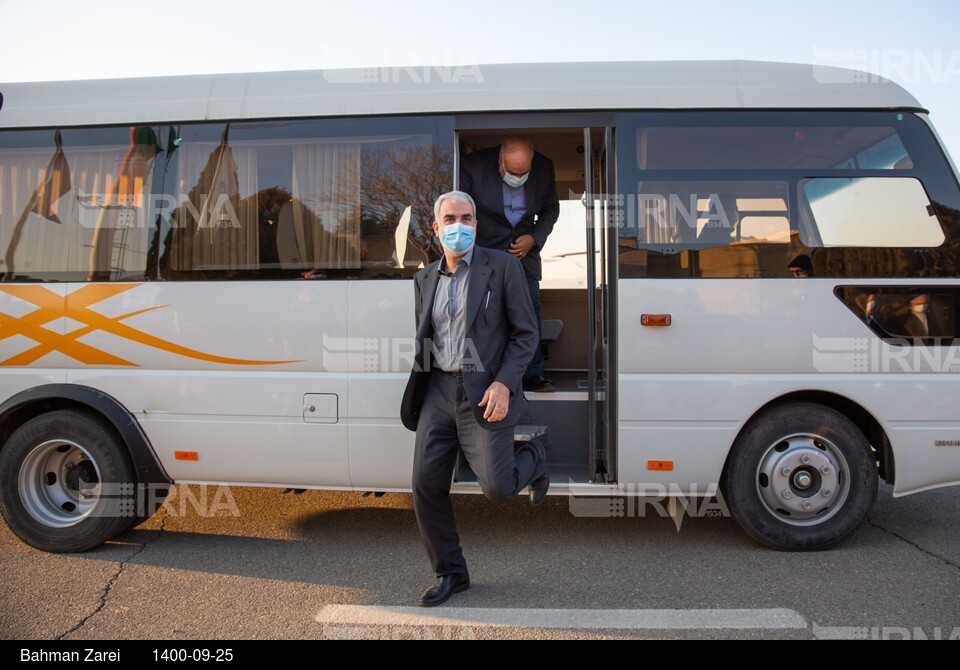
[74,204]
[787,147]
[887,154]
[739,229]
[743,194]
[867,212]
[905,315]
[288,201]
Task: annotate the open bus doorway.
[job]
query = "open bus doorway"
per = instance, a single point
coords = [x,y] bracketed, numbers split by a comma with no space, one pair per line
[573,300]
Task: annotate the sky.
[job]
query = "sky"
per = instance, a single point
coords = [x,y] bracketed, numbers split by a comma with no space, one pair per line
[916,43]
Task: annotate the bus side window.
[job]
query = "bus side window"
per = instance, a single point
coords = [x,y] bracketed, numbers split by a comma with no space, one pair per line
[75,204]
[302,199]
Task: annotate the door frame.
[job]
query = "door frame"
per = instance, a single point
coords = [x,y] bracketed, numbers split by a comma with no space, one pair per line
[602,331]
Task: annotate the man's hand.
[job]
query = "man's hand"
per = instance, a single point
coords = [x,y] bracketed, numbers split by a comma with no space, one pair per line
[497,401]
[522,246]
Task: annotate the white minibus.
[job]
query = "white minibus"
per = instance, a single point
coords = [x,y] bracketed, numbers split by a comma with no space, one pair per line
[751,292]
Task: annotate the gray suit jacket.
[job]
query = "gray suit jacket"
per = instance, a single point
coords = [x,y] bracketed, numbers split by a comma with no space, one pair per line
[501,334]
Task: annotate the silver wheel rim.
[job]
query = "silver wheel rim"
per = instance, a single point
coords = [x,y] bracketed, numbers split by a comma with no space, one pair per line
[803,479]
[59,483]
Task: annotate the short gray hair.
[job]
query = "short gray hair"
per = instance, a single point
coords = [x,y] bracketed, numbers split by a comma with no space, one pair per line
[456,196]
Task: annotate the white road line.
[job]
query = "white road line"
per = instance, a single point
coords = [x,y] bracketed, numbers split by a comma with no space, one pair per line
[577,619]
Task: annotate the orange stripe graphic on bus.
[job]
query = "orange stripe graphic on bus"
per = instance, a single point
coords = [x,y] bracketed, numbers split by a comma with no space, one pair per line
[76,306]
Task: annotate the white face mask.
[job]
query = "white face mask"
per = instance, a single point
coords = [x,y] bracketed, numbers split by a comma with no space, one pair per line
[514,182]
[920,309]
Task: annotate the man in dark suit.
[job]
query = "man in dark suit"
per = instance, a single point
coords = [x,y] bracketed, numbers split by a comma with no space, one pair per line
[476,331]
[921,323]
[516,194]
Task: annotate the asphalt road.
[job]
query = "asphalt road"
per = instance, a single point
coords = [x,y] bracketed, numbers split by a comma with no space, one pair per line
[259,564]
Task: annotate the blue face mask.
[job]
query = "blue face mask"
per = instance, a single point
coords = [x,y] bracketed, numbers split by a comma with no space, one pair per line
[515,182]
[457,237]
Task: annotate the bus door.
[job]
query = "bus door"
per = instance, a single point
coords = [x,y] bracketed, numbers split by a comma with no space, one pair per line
[576,296]
[601,206]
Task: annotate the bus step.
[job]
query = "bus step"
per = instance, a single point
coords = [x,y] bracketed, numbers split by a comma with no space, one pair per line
[527,433]
[522,434]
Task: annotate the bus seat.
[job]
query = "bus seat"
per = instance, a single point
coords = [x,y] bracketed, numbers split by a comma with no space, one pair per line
[550,330]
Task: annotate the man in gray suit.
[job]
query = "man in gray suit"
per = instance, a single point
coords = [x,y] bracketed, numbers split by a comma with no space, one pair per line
[476,332]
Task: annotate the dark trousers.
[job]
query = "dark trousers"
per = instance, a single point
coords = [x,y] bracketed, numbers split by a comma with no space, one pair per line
[537,365]
[447,422]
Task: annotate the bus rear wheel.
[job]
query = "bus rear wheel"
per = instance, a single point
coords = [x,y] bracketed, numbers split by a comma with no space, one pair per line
[801,477]
[66,482]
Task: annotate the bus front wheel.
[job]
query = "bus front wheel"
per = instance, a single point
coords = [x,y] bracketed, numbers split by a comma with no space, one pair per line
[801,477]
[66,482]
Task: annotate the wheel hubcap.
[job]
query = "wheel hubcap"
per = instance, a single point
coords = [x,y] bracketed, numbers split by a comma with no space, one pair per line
[802,479]
[59,483]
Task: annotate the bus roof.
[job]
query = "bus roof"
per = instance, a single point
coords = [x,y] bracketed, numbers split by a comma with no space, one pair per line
[457,89]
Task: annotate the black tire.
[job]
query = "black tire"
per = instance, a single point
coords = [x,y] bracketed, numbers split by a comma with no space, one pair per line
[66,482]
[800,477]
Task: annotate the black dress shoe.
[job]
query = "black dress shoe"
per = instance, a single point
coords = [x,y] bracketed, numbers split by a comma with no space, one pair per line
[445,587]
[538,487]
[538,384]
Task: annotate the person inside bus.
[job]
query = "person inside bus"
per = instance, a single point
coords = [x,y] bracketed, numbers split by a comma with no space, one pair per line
[920,322]
[476,332]
[870,310]
[801,266]
[517,205]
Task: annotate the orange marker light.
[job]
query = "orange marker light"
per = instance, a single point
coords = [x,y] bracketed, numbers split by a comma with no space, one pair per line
[660,465]
[186,455]
[655,319]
